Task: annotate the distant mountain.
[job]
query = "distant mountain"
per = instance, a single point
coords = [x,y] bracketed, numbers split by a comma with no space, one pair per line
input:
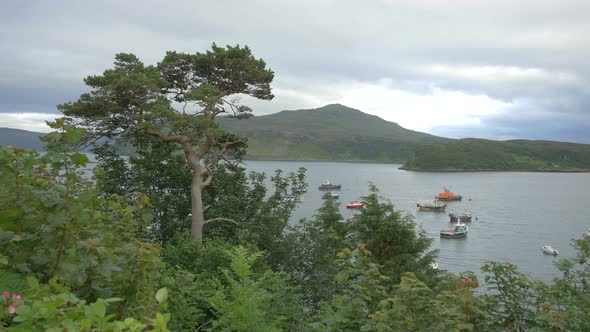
[32,140]
[513,155]
[333,132]
[21,138]
[339,133]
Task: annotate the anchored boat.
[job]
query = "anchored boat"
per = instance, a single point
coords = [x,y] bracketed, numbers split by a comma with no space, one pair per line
[327,186]
[355,205]
[460,230]
[465,217]
[447,195]
[432,207]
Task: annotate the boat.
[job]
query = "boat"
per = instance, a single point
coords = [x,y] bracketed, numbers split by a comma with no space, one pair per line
[587,235]
[460,230]
[434,265]
[432,207]
[465,217]
[327,186]
[331,195]
[549,250]
[447,195]
[355,205]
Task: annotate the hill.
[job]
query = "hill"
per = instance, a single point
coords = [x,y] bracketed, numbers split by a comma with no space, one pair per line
[21,138]
[339,133]
[513,155]
[32,140]
[333,132]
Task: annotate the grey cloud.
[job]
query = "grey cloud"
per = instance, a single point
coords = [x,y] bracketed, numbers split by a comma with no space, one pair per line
[48,47]
[564,119]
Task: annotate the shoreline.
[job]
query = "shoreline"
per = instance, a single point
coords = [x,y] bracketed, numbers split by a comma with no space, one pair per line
[443,170]
[330,161]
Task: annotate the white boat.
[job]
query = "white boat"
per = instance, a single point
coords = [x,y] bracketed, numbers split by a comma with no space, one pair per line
[587,235]
[434,265]
[459,230]
[549,250]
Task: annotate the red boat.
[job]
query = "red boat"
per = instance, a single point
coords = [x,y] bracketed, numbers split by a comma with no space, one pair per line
[355,205]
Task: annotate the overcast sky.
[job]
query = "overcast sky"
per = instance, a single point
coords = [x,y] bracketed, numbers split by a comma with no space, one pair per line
[464,68]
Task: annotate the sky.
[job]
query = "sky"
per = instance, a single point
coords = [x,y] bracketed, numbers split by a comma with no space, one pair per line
[463,68]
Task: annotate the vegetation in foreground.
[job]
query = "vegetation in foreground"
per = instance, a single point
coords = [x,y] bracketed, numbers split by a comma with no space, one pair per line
[116,253]
[77,255]
[515,155]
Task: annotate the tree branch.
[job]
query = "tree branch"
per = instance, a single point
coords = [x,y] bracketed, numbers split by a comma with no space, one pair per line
[167,138]
[220,219]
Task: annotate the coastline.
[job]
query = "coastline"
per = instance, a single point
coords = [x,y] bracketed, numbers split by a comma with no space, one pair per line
[448,170]
[330,161]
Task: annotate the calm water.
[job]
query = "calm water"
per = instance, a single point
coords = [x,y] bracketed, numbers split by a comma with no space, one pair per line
[517,213]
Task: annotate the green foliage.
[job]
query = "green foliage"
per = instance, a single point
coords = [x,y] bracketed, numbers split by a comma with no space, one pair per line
[396,244]
[479,154]
[132,100]
[309,254]
[53,307]
[513,301]
[111,173]
[53,225]
[240,301]
[415,307]
[87,247]
[157,170]
[360,288]
[229,288]
[240,203]
[568,302]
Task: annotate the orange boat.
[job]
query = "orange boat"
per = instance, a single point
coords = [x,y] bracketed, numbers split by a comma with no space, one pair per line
[448,195]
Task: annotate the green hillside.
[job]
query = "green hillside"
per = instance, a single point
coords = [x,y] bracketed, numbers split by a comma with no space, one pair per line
[484,155]
[21,138]
[333,132]
[32,140]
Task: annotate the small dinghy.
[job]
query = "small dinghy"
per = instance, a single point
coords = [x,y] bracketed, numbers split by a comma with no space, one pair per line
[550,251]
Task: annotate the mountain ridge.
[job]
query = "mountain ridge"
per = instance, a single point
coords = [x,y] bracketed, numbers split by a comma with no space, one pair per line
[332,133]
[336,132]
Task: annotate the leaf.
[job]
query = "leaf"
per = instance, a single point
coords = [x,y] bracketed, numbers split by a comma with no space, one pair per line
[79,159]
[33,283]
[342,276]
[98,308]
[162,295]
[74,135]
[114,299]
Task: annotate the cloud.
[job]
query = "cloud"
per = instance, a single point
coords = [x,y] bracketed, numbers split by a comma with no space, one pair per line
[467,68]
[27,121]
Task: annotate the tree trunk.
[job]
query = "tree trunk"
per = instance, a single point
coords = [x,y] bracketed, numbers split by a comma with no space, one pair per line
[198,217]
